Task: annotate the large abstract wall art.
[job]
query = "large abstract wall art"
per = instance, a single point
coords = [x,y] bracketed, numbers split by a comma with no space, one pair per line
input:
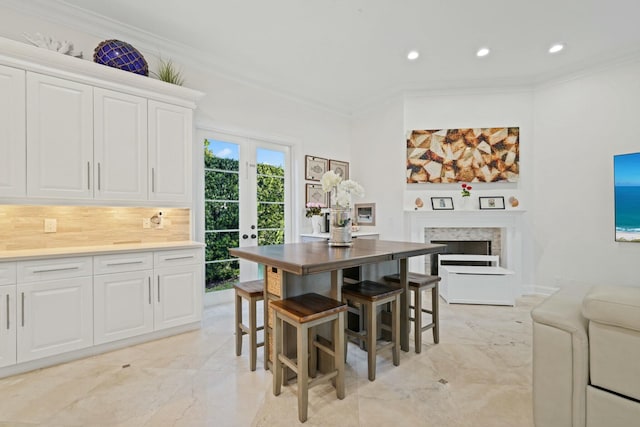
[463,155]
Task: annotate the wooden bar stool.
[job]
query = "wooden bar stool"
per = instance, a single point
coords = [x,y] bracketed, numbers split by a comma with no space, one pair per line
[418,283]
[253,292]
[371,295]
[305,312]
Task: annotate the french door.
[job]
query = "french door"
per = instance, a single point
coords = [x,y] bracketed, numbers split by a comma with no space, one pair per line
[246,202]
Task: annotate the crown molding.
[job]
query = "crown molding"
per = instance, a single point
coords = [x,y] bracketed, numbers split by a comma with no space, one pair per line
[62,13]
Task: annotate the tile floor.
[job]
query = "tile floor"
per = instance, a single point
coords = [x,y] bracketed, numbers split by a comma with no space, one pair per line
[479,375]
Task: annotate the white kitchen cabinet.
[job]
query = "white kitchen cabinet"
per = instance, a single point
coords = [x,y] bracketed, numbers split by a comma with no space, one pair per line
[59,138]
[54,299]
[170,139]
[7,313]
[13,161]
[120,146]
[123,305]
[54,317]
[7,325]
[179,287]
[123,296]
[178,296]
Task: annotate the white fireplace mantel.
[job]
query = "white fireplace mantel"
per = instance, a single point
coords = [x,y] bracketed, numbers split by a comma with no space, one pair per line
[509,221]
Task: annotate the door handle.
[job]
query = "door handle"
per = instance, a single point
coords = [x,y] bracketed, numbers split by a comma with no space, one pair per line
[245,236]
[8,322]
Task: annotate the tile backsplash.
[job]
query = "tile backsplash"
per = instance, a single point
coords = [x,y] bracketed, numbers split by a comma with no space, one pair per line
[22,226]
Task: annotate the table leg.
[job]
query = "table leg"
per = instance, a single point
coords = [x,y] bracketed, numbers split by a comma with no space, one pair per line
[336,285]
[404,306]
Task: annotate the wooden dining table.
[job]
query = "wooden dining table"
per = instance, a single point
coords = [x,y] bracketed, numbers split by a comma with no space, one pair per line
[318,267]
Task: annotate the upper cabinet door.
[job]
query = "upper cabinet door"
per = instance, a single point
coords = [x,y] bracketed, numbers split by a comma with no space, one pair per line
[120,146]
[12,133]
[59,138]
[170,139]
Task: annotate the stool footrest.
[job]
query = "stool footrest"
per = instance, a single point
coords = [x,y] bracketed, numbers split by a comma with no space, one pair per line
[290,363]
[324,348]
[322,378]
[429,326]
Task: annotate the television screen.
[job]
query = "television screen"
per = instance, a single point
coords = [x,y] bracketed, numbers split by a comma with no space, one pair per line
[626,173]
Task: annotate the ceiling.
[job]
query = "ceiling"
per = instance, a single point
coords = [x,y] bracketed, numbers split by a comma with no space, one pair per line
[348,54]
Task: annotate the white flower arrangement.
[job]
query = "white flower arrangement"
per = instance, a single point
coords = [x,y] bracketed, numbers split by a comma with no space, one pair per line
[341,190]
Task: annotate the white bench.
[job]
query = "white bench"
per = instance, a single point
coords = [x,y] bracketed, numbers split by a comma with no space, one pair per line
[468,284]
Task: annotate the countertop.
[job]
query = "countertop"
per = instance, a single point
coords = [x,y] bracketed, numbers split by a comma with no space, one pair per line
[353,234]
[28,254]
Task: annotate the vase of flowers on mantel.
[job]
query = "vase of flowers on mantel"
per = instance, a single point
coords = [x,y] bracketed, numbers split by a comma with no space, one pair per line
[340,219]
[313,211]
[465,201]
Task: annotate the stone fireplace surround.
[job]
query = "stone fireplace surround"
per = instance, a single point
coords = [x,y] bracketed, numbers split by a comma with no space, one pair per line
[502,227]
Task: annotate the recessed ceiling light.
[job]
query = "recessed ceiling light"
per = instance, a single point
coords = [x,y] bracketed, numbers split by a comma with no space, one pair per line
[483,51]
[556,48]
[413,55]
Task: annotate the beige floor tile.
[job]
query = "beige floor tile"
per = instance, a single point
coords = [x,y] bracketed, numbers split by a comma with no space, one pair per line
[479,375]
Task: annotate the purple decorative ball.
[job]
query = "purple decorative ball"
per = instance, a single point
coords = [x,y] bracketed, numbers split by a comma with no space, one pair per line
[119,54]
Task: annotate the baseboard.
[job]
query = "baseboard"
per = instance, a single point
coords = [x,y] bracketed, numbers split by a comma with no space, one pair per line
[538,290]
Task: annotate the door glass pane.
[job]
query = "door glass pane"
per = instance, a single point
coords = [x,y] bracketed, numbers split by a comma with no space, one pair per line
[221,168]
[270,196]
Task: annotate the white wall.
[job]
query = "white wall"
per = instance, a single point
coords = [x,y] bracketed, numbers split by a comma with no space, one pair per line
[377,150]
[228,105]
[579,125]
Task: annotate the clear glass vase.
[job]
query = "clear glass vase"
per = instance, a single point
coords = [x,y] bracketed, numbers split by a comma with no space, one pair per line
[340,227]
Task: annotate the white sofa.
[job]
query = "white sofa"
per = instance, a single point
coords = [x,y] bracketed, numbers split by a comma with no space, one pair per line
[586,358]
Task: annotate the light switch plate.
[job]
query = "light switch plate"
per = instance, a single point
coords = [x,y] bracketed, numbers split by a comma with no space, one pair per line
[50,225]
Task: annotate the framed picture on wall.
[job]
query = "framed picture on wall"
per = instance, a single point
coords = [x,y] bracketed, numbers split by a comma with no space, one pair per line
[365,213]
[494,202]
[315,167]
[442,203]
[315,194]
[340,168]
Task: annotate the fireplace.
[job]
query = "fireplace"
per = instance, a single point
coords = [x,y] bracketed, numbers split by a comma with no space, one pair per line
[463,240]
[462,247]
[503,228]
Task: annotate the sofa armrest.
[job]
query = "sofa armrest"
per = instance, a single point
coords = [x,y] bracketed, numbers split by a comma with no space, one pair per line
[613,305]
[560,360]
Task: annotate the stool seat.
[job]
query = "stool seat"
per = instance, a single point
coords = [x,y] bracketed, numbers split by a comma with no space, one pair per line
[416,280]
[417,283]
[304,313]
[308,307]
[253,288]
[252,291]
[370,291]
[370,295]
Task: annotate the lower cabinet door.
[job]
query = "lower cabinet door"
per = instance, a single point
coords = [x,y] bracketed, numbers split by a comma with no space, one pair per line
[123,305]
[7,325]
[178,298]
[54,317]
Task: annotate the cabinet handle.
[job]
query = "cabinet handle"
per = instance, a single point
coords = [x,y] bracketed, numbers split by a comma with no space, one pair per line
[88,176]
[153,180]
[178,257]
[55,269]
[98,175]
[23,309]
[158,288]
[149,289]
[8,324]
[109,264]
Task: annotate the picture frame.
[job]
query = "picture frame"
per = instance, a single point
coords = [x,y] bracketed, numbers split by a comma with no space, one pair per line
[314,193]
[340,168]
[491,202]
[365,213]
[315,167]
[442,203]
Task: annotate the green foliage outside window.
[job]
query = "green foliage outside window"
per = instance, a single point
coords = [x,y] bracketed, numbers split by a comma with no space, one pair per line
[222,214]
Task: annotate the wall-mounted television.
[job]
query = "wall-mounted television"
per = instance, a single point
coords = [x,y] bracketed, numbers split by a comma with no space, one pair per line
[626,173]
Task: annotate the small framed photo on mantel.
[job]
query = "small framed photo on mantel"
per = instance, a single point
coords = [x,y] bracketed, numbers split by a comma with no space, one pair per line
[494,202]
[442,203]
[315,167]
